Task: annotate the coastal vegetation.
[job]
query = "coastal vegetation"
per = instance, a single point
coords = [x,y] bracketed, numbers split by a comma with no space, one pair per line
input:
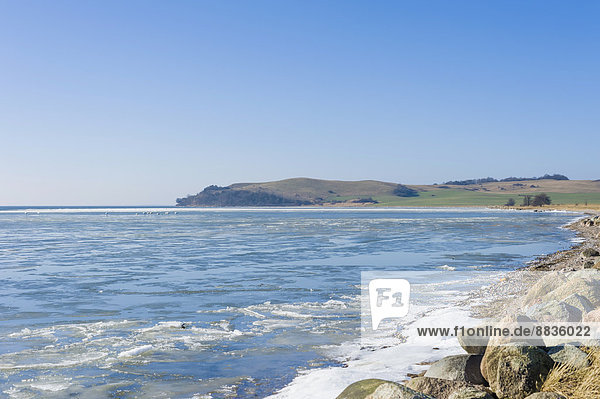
[535,200]
[492,180]
[554,190]
[404,191]
[225,196]
[541,200]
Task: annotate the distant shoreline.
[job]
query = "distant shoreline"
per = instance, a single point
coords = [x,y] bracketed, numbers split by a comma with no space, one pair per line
[372,193]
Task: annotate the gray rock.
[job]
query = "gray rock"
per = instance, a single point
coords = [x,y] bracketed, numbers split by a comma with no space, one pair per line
[396,391]
[569,354]
[473,345]
[511,322]
[379,389]
[458,368]
[441,389]
[545,395]
[582,282]
[580,302]
[586,253]
[546,286]
[470,393]
[554,311]
[515,371]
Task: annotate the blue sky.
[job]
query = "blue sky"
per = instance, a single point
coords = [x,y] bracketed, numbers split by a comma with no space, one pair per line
[139,102]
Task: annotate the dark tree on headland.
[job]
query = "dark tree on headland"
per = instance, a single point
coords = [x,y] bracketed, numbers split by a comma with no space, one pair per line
[225,196]
[541,200]
[510,202]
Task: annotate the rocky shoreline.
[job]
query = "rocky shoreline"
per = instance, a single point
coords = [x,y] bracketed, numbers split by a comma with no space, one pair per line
[562,287]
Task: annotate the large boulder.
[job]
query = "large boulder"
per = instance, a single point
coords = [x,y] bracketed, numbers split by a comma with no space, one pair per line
[473,345]
[545,285]
[582,282]
[512,322]
[515,371]
[379,389]
[440,388]
[569,354]
[545,395]
[554,311]
[396,391]
[580,302]
[561,285]
[465,368]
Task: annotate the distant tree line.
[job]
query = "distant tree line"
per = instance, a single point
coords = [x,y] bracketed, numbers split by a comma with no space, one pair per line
[492,180]
[531,200]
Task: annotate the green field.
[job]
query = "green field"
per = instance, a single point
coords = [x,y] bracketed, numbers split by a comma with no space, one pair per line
[452,197]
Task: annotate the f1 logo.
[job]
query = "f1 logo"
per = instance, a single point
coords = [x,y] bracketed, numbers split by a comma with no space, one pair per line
[388,297]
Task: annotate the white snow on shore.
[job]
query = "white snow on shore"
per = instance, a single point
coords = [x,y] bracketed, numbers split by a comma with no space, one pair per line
[396,349]
[389,363]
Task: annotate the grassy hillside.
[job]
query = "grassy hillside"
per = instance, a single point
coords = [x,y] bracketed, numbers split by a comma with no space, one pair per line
[306,188]
[303,191]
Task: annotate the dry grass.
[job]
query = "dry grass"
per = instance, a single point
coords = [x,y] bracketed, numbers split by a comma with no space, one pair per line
[573,383]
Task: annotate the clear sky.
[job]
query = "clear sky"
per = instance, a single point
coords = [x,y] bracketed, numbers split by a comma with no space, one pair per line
[139,102]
